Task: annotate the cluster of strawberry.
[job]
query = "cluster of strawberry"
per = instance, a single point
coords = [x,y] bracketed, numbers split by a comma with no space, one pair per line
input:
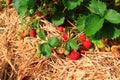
[76,54]
[65,35]
[31,33]
[86,44]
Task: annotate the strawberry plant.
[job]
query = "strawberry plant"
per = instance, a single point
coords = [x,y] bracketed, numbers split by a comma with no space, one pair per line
[96,22]
[97,19]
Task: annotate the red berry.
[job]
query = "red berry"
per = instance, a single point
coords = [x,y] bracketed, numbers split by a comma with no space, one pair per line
[87,44]
[60,28]
[22,35]
[39,14]
[65,36]
[82,51]
[74,55]
[82,37]
[32,33]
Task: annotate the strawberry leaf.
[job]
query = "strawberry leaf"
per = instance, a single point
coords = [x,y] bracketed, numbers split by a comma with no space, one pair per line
[112,32]
[22,22]
[41,34]
[71,44]
[112,16]
[54,41]
[80,24]
[71,4]
[93,24]
[23,7]
[58,19]
[35,23]
[45,49]
[97,7]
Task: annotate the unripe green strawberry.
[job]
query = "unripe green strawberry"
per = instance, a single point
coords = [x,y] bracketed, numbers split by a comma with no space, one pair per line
[66,52]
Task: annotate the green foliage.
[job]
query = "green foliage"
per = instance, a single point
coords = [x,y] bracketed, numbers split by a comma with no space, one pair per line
[96,21]
[54,41]
[112,16]
[45,49]
[23,7]
[71,4]
[80,24]
[58,19]
[97,7]
[41,34]
[93,24]
[35,23]
[71,44]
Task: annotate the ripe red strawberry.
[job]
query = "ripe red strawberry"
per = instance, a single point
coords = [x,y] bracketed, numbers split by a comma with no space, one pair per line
[60,28]
[38,13]
[74,55]
[32,33]
[82,37]
[65,36]
[22,35]
[87,44]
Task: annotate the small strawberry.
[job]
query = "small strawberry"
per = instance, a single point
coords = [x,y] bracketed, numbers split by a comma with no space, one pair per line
[32,33]
[74,55]
[60,28]
[82,51]
[65,36]
[82,37]
[87,44]
[22,35]
[38,13]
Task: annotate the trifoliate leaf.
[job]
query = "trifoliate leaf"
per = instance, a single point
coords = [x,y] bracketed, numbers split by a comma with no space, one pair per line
[80,24]
[23,7]
[97,7]
[45,49]
[93,24]
[71,4]
[58,19]
[54,41]
[112,16]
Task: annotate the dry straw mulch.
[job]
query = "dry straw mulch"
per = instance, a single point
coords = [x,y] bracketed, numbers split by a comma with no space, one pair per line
[19,62]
